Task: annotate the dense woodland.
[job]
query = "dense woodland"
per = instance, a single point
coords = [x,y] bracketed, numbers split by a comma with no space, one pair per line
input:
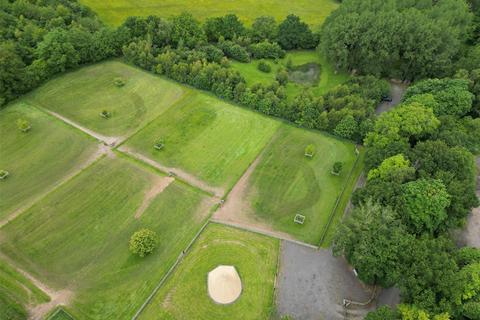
[420,155]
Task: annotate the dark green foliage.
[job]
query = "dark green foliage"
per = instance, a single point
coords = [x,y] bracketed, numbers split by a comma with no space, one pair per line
[383,313]
[372,239]
[347,127]
[295,34]
[187,31]
[227,27]
[264,28]
[430,275]
[424,204]
[267,50]
[39,39]
[463,132]
[452,95]
[396,38]
[264,67]
[468,255]
[234,51]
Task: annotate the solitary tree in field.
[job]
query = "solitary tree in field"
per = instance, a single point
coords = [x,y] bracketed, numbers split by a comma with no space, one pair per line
[143,242]
[23,125]
[310,150]
[337,167]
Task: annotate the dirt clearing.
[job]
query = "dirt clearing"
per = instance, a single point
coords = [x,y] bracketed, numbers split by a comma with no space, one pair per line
[160,184]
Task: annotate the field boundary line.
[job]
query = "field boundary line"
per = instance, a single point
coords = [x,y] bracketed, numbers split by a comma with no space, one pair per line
[275,283]
[69,176]
[178,173]
[337,202]
[186,95]
[263,232]
[111,141]
[170,271]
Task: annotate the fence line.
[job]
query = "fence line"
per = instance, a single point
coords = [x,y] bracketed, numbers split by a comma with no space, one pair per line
[165,277]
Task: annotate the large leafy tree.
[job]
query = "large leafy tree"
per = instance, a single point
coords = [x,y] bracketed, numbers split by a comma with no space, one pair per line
[452,95]
[405,39]
[371,239]
[430,278]
[295,34]
[424,205]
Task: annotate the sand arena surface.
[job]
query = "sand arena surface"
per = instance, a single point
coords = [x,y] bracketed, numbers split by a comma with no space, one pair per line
[224,284]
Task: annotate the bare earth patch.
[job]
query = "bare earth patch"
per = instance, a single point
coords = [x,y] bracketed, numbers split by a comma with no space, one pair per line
[111,141]
[160,184]
[57,297]
[189,178]
[224,284]
[236,211]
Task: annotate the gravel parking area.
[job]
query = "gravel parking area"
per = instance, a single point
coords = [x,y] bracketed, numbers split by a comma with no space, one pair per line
[312,285]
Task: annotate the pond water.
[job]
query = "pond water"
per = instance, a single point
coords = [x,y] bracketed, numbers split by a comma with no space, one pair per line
[305,74]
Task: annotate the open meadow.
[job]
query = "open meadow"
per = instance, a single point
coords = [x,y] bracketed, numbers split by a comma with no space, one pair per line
[82,95]
[207,137]
[76,238]
[114,12]
[36,160]
[286,182]
[185,295]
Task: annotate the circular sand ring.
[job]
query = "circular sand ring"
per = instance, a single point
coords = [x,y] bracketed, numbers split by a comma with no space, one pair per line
[224,284]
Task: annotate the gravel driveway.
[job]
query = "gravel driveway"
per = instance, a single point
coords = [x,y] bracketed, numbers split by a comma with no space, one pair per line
[312,285]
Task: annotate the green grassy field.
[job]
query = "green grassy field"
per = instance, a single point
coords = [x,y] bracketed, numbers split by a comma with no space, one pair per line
[36,160]
[59,314]
[185,296]
[285,182]
[16,289]
[77,237]
[114,12]
[83,94]
[206,137]
[328,77]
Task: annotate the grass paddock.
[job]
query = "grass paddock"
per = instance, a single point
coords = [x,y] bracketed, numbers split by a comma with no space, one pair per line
[185,296]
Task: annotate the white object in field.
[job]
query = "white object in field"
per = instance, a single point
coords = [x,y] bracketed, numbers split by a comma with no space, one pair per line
[224,284]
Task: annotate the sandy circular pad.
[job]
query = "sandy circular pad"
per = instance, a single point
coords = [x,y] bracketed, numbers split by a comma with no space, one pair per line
[224,284]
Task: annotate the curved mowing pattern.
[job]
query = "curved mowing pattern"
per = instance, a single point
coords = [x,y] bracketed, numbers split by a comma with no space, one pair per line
[185,295]
[286,182]
[82,95]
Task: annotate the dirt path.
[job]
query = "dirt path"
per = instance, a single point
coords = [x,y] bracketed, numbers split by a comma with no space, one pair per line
[187,177]
[101,150]
[470,235]
[397,90]
[236,210]
[111,141]
[160,184]
[57,297]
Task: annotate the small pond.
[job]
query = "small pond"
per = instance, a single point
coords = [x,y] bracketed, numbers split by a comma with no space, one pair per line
[305,74]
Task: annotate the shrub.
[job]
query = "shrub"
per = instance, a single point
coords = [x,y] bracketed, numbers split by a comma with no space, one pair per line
[105,114]
[143,242]
[266,49]
[23,125]
[119,82]
[234,51]
[310,150]
[282,77]
[264,67]
[337,168]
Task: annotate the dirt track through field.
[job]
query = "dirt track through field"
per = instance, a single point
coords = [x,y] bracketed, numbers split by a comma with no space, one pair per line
[57,297]
[101,150]
[187,177]
[111,141]
[160,184]
[236,209]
